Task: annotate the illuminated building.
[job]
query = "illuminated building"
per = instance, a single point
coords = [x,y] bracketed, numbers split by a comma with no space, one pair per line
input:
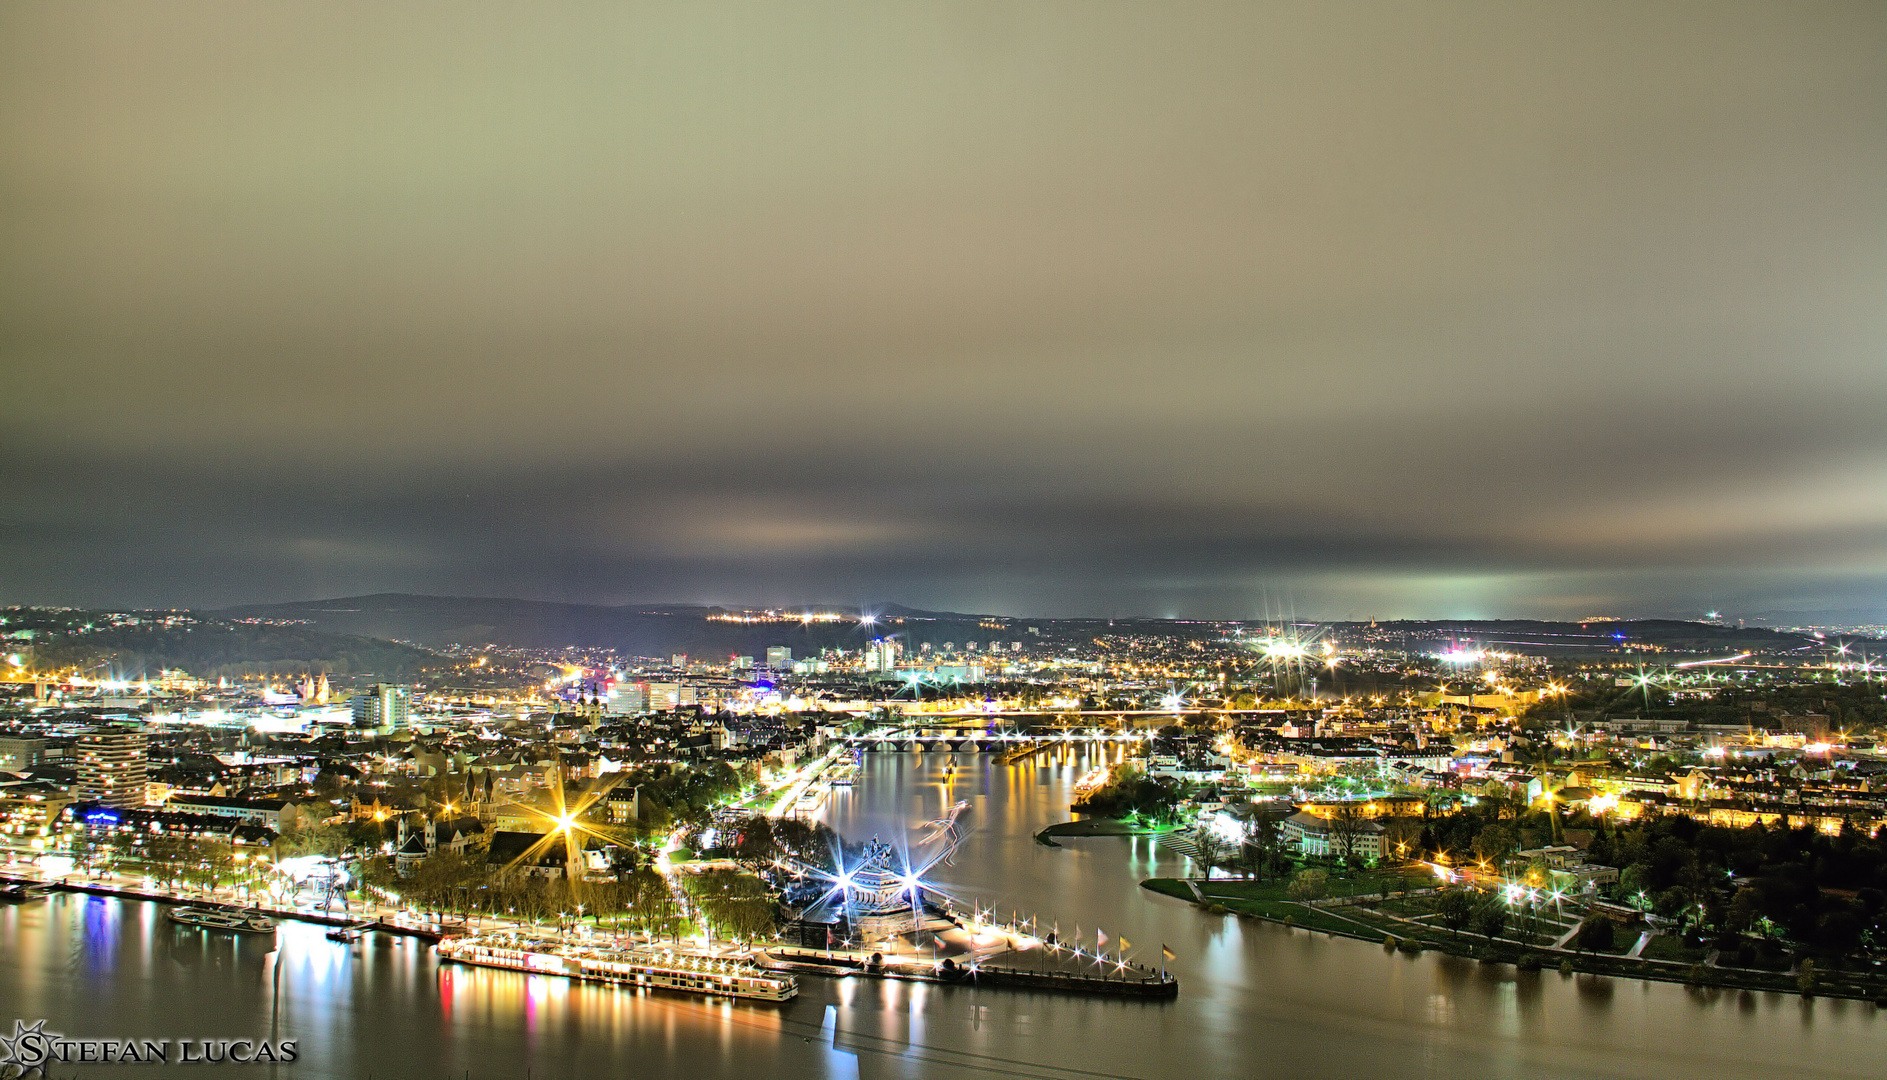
[779,657]
[112,770]
[668,696]
[20,755]
[384,707]
[627,699]
[882,655]
[1310,834]
[27,810]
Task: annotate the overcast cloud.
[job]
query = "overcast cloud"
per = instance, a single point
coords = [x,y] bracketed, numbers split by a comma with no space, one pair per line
[1373,309]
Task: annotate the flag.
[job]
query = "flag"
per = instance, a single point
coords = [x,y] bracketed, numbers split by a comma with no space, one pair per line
[1100,937]
[1125,946]
[1166,952]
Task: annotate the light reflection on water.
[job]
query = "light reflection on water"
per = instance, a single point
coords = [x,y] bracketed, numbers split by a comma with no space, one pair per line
[1257,1000]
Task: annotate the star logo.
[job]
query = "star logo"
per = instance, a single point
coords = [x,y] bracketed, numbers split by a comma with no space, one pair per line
[28,1049]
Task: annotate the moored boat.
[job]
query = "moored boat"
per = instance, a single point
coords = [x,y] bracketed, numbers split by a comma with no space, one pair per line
[241,922]
[642,966]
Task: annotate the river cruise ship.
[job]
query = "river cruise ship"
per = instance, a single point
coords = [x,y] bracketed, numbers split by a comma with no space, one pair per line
[644,966]
[812,799]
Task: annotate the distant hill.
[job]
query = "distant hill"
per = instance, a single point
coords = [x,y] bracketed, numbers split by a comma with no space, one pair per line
[706,632]
[213,648]
[1534,637]
[637,630]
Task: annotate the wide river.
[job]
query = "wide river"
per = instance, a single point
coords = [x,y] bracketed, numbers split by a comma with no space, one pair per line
[1255,1000]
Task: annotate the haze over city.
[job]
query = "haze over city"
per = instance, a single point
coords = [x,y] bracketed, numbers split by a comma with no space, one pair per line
[1442,310]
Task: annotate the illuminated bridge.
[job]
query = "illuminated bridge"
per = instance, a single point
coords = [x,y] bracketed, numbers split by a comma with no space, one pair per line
[981,740]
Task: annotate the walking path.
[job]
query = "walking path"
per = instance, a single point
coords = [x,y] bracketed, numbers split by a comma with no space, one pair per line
[1639,945]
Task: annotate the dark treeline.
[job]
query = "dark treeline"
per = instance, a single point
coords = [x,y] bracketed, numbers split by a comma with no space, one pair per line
[1815,889]
[216,649]
[1857,707]
[1131,791]
[1802,885]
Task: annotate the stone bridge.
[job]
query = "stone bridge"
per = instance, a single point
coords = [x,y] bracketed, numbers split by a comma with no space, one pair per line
[945,740]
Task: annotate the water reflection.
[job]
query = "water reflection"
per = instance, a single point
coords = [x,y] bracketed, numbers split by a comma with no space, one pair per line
[1257,1000]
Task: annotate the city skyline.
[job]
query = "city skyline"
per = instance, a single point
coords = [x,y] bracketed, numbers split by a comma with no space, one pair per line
[1053,540]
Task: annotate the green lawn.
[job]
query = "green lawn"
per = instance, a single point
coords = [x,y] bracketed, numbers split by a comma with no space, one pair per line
[1270,908]
[1363,882]
[1669,947]
[1761,960]
[1167,886]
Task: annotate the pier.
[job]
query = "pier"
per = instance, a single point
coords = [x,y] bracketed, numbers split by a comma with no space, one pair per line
[1134,980]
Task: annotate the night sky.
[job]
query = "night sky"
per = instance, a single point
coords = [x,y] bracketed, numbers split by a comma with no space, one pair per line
[1497,309]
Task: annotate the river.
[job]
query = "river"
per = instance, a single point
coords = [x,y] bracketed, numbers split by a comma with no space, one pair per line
[1255,1000]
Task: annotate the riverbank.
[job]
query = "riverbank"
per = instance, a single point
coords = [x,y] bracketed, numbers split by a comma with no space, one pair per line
[1097,826]
[1347,917]
[366,919]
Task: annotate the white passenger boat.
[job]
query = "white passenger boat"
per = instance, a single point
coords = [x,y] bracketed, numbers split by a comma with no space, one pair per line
[644,966]
[241,922]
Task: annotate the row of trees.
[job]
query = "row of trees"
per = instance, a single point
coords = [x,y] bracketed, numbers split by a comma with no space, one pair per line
[1815,889]
[722,901]
[170,860]
[1818,890]
[214,649]
[1130,791]
[758,842]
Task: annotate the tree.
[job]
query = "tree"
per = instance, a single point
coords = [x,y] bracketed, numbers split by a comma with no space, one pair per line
[442,880]
[1491,918]
[1493,843]
[212,863]
[1309,885]
[1262,840]
[1634,882]
[650,903]
[1672,901]
[1213,848]
[1596,935]
[1840,930]
[809,842]
[756,848]
[1402,837]
[1346,826]
[734,903]
[313,838]
[167,855]
[1455,909]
